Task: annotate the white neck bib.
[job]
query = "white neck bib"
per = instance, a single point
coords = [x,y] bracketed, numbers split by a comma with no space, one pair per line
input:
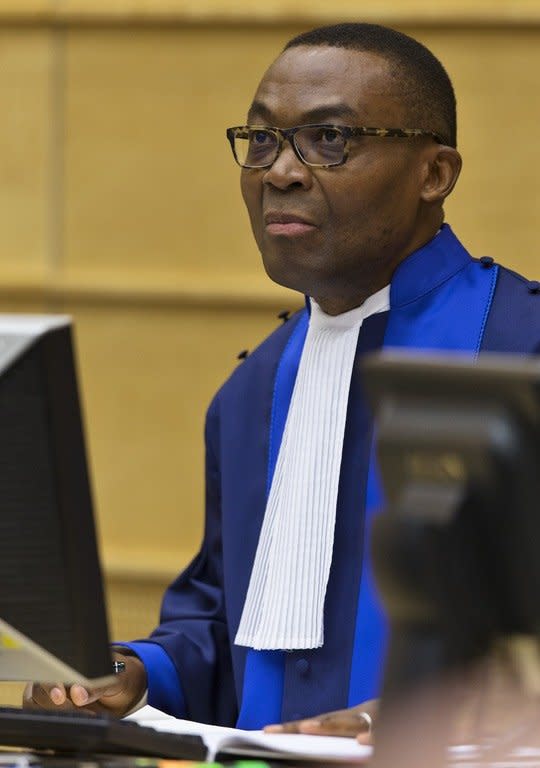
[285,600]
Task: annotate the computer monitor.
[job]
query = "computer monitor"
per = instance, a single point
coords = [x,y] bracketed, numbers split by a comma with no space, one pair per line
[53,622]
[456,548]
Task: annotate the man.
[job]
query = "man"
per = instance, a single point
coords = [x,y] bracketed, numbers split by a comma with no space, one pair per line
[276,619]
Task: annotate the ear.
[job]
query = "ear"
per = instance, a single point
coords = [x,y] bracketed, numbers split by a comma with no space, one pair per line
[443,167]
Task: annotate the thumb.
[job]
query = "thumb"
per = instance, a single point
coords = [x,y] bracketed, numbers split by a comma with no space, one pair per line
[82,696]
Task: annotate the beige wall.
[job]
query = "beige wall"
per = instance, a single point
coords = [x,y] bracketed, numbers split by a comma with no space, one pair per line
[119,204]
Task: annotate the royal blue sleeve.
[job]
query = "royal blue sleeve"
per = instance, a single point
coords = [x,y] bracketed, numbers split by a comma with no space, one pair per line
[164,687]
[187,657]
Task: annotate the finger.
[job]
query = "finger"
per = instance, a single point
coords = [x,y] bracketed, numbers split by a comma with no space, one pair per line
[341,723]
[294,726]
[45,696]
[365,738]
[56,696]
[82,696]
[346,722]
[371,707]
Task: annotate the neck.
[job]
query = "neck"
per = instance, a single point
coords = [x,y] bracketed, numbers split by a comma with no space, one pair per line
[336,304]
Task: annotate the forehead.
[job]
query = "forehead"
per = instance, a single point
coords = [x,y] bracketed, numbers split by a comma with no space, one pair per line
[306,83]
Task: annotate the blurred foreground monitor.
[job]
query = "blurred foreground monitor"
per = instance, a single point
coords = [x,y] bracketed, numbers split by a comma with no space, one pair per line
[457,552]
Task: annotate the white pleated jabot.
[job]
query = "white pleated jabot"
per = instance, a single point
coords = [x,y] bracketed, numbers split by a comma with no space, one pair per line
[285,598]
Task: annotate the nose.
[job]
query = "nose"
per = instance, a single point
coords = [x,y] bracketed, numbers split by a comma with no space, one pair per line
[288,170]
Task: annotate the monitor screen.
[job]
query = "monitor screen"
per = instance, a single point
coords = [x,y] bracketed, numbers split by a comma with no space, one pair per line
[52,614]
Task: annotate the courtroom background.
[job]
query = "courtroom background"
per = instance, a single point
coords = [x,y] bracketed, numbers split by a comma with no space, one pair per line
[120,205]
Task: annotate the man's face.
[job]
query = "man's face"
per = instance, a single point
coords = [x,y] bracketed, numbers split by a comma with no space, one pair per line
[338,233]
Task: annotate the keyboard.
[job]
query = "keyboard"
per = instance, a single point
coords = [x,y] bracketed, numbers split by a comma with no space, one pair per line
[82,733]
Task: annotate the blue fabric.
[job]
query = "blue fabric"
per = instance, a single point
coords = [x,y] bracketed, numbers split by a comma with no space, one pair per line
[512,325]
[202,608]
[263,689]
[164,688]
[265,669]
[445,307]
[371,630]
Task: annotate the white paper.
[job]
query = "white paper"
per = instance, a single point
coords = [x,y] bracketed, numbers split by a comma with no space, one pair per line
[257,743]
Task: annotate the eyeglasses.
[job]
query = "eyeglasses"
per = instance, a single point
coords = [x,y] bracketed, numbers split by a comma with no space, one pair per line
[319,146]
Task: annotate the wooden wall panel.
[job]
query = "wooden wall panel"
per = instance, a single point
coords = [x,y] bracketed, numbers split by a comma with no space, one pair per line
[150,180]
[471,12]
[133,606]
[25,158]
[496,204]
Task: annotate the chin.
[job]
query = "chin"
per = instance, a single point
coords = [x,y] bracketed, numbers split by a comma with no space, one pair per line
[298,269]
[301,280]
[281,271]
[286,278]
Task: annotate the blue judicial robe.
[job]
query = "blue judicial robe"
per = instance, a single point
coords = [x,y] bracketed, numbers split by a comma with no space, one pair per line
[440,298]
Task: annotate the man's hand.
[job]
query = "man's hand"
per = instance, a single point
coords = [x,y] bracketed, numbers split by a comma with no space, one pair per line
[354,722]
[118,698]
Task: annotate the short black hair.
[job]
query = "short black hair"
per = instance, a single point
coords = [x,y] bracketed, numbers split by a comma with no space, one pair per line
[430,98]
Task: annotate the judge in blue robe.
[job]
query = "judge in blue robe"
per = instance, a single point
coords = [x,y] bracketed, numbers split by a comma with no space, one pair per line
[341,212]
[440,298]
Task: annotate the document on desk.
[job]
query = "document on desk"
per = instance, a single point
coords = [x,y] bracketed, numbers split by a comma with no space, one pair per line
[234,742]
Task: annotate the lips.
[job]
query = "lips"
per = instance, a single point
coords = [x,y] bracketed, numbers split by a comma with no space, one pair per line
[277,217]
[289,224]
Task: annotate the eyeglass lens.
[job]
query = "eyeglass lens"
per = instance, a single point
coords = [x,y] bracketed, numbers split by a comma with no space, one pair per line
[317,145]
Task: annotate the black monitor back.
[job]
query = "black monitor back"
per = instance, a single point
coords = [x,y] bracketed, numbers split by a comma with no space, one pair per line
[53,619]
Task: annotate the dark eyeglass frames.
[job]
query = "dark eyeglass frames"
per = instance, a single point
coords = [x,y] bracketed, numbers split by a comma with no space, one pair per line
[319,146]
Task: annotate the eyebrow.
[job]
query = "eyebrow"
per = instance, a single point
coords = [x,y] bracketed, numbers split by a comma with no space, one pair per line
[315,115]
